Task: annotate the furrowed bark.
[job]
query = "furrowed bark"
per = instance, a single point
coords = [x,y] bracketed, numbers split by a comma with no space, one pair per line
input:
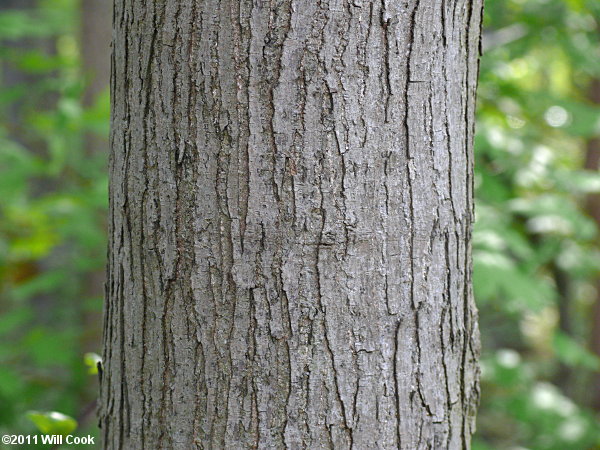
[291,204]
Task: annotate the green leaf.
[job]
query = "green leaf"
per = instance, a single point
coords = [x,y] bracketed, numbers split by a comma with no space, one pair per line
[92,360]
[52,422]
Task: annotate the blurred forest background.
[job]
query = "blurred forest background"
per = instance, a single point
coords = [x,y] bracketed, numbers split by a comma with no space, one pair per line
[536,243]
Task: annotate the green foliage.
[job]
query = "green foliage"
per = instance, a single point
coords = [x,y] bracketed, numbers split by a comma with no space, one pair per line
[535,251]
[92,361]
[52,221]
[573,353]
[530,411]
[53,422]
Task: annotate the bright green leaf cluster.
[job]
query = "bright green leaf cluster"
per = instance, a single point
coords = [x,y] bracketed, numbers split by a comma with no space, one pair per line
[53,422]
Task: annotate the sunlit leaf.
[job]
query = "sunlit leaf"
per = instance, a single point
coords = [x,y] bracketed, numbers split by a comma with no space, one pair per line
[52,422]
[91,360]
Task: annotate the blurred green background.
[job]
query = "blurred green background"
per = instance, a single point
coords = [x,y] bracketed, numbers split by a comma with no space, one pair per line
[536,243]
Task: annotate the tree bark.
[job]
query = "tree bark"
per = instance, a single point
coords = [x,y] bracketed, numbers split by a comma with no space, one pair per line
[291,202]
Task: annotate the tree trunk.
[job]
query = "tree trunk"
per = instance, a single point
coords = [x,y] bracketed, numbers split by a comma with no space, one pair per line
[95,53]
[95,38]
[592,163]
[290,217]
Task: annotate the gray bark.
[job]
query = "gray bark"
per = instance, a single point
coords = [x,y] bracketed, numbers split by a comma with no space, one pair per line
[290,216]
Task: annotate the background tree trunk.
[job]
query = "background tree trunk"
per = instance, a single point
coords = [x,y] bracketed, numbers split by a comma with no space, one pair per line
[592,163]
[290,215]
[95,52]
[95,38]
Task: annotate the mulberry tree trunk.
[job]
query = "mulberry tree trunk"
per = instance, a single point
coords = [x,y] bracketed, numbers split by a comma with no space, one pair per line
[290,216]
